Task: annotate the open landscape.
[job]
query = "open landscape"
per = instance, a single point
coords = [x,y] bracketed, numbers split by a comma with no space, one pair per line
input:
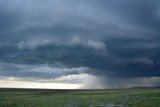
[79,53]
[148,97]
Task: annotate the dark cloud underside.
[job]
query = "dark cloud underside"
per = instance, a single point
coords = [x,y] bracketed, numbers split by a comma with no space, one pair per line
[118,39]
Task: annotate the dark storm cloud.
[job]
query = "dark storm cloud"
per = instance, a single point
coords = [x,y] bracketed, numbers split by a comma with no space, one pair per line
[41,71]
[113,38]
[139,12]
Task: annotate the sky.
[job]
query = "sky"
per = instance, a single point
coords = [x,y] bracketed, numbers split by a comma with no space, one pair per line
[79,44]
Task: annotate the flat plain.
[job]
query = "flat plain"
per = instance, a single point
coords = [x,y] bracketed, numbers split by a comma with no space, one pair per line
[145,97]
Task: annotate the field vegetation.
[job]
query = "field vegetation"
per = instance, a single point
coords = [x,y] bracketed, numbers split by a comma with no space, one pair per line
[80,98]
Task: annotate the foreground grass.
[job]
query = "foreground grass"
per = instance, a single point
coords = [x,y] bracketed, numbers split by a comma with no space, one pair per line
[79,98]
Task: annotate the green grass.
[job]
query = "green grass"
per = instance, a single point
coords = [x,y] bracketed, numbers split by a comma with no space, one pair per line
[79,98]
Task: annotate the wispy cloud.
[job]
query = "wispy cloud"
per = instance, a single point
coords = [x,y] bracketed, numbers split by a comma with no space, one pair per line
[32,44]
[96,45]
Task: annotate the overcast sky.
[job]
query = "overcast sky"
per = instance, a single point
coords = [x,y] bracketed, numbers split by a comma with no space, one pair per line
[79,43]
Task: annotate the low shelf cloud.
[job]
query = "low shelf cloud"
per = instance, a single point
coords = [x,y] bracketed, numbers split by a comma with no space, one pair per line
[79,43]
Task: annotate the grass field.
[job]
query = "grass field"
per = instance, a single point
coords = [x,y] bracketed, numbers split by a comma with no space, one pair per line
[80,98]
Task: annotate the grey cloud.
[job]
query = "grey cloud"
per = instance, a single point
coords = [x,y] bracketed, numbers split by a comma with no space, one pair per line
[114,62]
[69,79]
[113,38]
[38,71]
[115,83]
[62,22]
[32,44]
[142,13]
[75,41]
[96,45]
